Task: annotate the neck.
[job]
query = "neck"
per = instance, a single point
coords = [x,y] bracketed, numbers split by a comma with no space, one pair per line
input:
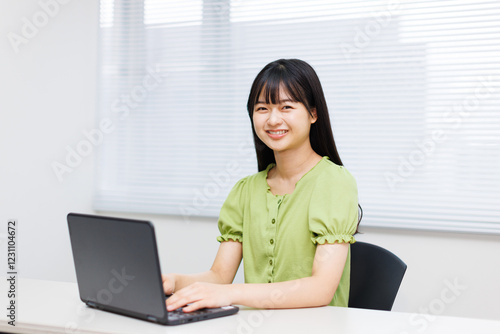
[292,165]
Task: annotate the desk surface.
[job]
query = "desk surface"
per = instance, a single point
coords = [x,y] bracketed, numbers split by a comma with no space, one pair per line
[55,307]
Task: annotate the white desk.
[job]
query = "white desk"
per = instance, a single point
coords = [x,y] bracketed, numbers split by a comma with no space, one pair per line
[55,307]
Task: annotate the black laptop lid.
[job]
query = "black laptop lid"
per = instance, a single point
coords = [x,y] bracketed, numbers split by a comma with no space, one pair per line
[117,265]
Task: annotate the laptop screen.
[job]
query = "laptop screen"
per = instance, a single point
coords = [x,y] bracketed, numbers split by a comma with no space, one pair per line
[117,265]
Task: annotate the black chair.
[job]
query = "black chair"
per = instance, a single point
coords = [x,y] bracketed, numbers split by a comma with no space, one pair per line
[376,275]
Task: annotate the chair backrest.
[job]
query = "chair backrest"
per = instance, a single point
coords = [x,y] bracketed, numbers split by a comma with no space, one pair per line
[376,275]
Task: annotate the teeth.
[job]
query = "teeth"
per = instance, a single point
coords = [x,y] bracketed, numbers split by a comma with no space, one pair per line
[277,132]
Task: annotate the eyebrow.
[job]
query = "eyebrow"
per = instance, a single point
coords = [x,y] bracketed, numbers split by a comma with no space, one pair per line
[280,101]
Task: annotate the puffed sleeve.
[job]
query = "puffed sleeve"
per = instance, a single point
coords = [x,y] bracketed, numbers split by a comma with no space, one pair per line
[333,211]
[231,214]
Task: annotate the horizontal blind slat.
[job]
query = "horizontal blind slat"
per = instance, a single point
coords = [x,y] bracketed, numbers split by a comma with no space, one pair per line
[179,144]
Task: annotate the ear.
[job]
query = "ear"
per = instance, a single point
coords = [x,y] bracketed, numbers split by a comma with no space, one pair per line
[314,116]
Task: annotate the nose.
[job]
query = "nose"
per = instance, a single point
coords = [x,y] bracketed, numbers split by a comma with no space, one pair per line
[274,117]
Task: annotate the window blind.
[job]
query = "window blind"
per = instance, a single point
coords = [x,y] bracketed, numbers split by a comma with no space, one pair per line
[413,89]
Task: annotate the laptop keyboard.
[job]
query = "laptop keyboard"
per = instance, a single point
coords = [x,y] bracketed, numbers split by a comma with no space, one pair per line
[180,314]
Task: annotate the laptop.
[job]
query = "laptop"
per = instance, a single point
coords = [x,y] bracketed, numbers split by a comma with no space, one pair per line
[118,270]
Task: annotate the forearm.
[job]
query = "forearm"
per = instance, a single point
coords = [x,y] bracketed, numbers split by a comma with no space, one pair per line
[183,280]
[313,291]
[304,292]
[222,271]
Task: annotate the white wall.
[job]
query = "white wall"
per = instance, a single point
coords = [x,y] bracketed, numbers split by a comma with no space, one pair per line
[47,98]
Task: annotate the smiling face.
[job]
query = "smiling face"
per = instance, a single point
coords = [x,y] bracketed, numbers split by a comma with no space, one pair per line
[283,125]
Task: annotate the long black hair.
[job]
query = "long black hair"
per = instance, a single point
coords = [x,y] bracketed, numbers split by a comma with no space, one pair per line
[301,83]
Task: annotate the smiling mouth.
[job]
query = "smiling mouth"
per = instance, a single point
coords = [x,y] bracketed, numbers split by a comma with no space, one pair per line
[280,132]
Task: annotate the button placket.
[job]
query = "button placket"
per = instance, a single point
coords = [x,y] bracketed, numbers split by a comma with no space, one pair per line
[274,204]
[270,232]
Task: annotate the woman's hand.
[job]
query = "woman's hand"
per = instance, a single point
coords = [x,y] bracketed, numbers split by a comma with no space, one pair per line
[200,295]
[168,283]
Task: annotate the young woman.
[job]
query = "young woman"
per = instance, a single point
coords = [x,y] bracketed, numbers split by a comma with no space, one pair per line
[293,221]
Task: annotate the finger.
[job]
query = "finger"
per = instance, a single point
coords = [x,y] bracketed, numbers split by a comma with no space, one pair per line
[168,283]
[184,296]
[167,288]
[177,302]
[173,303]
[194,306]
[173,306]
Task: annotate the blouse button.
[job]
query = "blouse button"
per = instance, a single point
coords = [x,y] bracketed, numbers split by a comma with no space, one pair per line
[271,262]
[273,221]
[271,241]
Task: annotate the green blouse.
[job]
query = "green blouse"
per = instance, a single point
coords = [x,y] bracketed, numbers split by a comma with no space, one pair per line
[279,233]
